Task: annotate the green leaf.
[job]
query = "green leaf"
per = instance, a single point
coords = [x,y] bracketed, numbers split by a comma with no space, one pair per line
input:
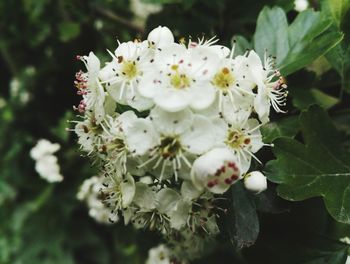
[241,45]
[68,31]
[298,44]
[272,33]
[339,58]
[336,8]
[286,127]
[241,219]
[320,167]
[304,98]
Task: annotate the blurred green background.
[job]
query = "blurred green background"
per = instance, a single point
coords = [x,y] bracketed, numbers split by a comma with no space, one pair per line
[45,223]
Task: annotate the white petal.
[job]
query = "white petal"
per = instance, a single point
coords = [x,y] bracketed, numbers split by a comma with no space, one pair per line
[144,197]
[262,105]
[202,96]
[127,189]
[93,64]
[171,123]
[179,215]
[171,54]
[256,69]
[149,84]
[137,101]
[172,100]
[166,200]
[160,37]
[141,136]
[189,192]
[256,141]
[200,136]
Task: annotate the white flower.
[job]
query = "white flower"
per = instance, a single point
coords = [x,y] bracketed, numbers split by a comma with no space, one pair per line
[114,145]
[160,37]
[301,5]
[118,192]
[255,181]
[348,260]
[90,193]
[231,80]
[169,139]
[243,138]
[271,86]
[46,163]
[143,10]
[154,206]
[90,88]
[180,78]
[345,240]
[159,255]
[89,134]
[48,168]
[216,170]
[123,74]
[43,148]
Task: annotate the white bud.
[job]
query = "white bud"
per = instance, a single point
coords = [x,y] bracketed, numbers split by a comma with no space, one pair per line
[255,181]
[160,37]
[301,5]
[216,170]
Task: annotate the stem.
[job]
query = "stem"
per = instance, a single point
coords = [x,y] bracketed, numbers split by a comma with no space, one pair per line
[111,15]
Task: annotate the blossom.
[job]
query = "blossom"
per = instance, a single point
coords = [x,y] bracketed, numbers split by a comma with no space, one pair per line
[90,87]
[170,139]
[122,75]
[117,193]
[46,163]
[242,137]
[153,207]
[190,131]
[159,255]
[179,78]
[270,86]
[255,181]
[89,192]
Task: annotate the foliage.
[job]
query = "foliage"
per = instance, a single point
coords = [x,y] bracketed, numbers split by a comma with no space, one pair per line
[44,223]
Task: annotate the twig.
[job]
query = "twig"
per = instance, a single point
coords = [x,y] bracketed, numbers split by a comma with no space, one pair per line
[6,55]
[111,15]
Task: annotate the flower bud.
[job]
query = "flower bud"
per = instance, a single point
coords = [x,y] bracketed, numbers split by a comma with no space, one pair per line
[160,37]
[216,170]
[301,5]
[255,181]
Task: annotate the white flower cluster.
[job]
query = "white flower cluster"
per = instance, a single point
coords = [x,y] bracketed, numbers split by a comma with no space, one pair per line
[46,163]
[90,193]
[173,126]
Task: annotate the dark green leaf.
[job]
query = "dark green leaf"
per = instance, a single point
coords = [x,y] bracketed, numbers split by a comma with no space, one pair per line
[241,45]
[68,31]
[321,167]
[272,33]
[296,45]
[336,9]
[286,127]
[242,220]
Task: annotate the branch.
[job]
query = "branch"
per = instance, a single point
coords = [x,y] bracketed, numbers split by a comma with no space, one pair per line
[113,16]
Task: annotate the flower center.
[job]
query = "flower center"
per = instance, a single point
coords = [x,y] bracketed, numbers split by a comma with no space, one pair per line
[223,79]
[177,80]
[117,144]
[169,147]
[235,139]
[129,69]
